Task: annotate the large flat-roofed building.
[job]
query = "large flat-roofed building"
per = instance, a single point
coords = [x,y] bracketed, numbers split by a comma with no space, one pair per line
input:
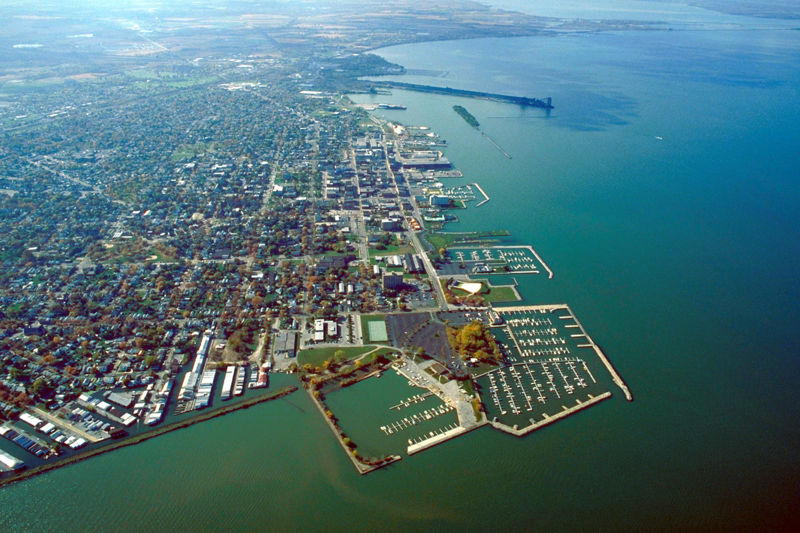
[428,159]
[413,264]
[392,281]
[286,343]
[391,224]
[439,200]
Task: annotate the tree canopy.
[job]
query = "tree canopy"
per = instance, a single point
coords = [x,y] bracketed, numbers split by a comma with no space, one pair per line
[474,340]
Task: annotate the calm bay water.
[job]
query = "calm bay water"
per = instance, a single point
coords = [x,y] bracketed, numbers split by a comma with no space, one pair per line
[663,191]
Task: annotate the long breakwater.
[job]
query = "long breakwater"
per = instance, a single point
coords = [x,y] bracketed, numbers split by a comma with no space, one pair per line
[545,103]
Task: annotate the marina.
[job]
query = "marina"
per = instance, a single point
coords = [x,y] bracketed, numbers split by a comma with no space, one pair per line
[552,330]
[517,259]
[548,419]
[460,194]
[522,396]
[390,416]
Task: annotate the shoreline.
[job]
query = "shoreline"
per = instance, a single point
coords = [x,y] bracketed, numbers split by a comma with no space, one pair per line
[361,468]
[131,441]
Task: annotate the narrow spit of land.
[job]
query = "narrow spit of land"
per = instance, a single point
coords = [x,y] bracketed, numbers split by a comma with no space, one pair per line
[362,468]
[41,469]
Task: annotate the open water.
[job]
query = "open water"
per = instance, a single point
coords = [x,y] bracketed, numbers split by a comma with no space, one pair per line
[664,192]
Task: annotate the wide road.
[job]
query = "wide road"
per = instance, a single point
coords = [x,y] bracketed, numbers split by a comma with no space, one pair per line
[418,248]
[360,225]
[434,278]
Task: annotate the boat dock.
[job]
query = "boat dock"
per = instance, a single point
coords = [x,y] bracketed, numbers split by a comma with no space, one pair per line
[543,322]
[549,419]
[412,399]
[513,259]
[616,378]
[435,439]
[413,420]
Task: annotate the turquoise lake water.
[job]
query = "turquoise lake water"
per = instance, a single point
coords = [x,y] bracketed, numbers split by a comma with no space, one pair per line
[664,192]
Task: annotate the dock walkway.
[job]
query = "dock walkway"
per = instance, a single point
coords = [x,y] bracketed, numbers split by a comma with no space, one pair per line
[549,419]
[448,393]
[438,439]
[618,381]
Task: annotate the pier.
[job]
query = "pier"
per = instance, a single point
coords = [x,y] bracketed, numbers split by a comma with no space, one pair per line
[536,255]
[550,419]
[361,467]
[545,103]
[438,439]
[485,196]
[494,143]
[602,356]
[413,399]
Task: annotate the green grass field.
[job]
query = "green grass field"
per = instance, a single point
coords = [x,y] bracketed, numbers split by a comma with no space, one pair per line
[317,356]
[490,294]
[444,240]
[500,294]
[188,151]
[392,249]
